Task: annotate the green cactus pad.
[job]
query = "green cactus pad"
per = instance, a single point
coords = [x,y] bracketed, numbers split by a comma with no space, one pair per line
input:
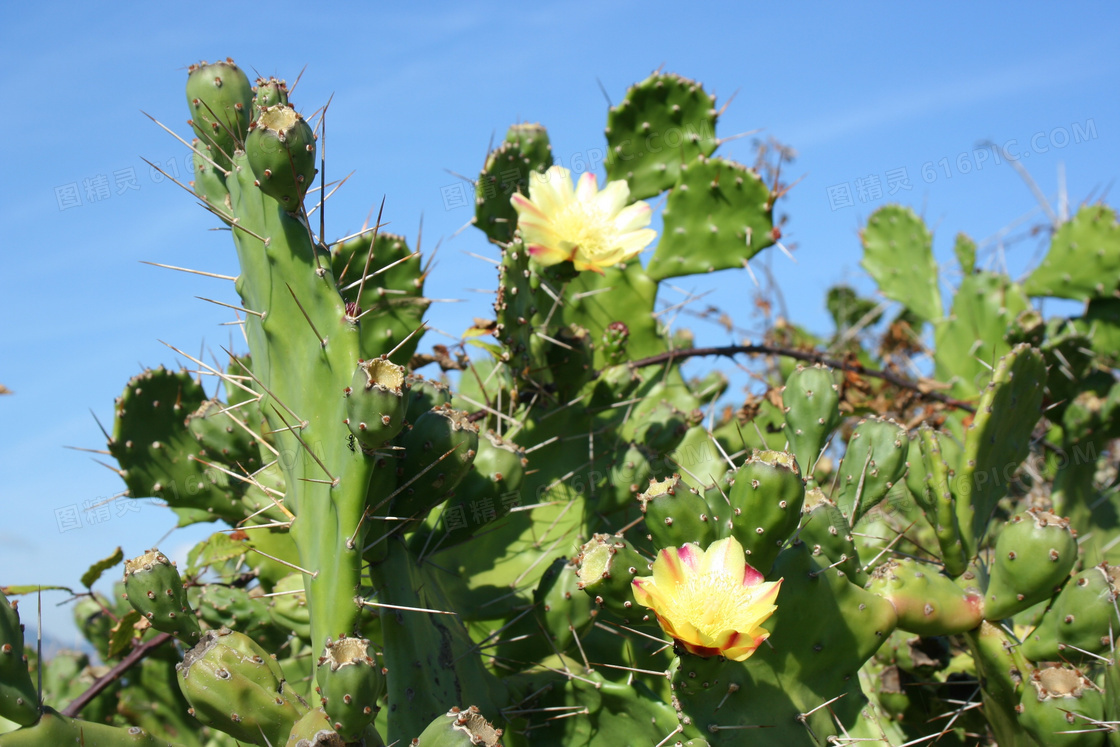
[811,401]
[766,496]
[222,439]
[824,629]
[281,152]
[220,100]
[718,216]
[350,683]
[664,121]
[1082,619]
[898,254]
[1002,669]
[231,686]
[676,514]
[926,602]
[56,729]
[1060,701]
[873,463]
[438,450]
[392,302]
[209,181]
[965,250]
[155,590]
[459,728]
[486,495]
[971,339]
[288,606]
[930,477]
[375,402]
[998,439]
[826,533]
[1101,324]
[506,172]
[1033,557]
[19,700]
[156,453]
[606,566]
[1084,258]
[515,306]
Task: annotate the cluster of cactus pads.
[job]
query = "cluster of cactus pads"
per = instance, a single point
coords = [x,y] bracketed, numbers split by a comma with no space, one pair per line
[576,545]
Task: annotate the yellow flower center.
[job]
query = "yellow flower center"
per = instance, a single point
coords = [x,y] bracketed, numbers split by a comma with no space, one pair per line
[586,227]
[712,603]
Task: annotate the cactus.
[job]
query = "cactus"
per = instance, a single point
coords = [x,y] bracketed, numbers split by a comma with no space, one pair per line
[573,542]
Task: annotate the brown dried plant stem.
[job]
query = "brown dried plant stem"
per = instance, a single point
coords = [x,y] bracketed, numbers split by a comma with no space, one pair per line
[134,656]
[808,356]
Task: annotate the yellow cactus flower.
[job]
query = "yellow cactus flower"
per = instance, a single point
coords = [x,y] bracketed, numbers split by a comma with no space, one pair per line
[711,601]
[594,229]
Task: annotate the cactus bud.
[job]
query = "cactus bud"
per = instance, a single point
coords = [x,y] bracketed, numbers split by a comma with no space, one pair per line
[350,683]
[281,152]
[1034,555]
[155,590]
[375,402]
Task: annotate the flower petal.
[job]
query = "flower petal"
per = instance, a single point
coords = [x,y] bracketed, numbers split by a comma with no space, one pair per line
[725,557]
[551,191]
[668,570]
[613,198]
[633,217]
[547,255]
[587,188]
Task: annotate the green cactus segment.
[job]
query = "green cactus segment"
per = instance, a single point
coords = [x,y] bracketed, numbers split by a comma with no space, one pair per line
[718,216]
[431,660]
[1002,671]
[350,683]
[898,254]
[926,602]
[19,701]
[231,686]
[873,463]
[155,590]
[220,99]
[288,281]
[824,629]
[1033,557]
[971,339]
[209,181]
[459,728]
[664,121]
[998,439]
[811,401]
[288,606]
[514,308]
[220,438]
[1084,258]
[375,402]
[1060,701]
[826,533]
[965,250]
[1101,324]
[676,514]
[1083,621]
[438,450]
[486,495]
[281,152]
[766,497]
[606,567]
[392,303]
[935,496]
[55,729]
[268,93]
[506,172]
[156,453]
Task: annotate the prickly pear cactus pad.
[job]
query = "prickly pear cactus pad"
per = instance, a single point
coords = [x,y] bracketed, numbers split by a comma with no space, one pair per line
[571,534]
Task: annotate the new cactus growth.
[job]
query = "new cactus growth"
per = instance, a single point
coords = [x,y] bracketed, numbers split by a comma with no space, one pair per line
[569,542]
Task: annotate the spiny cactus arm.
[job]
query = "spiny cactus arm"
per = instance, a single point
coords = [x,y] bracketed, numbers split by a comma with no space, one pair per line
[1084,258]
[1003,670]
[937,500]
[304,350]
[19,699]
[998,440]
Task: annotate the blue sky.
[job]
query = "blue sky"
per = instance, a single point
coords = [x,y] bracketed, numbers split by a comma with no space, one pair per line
[863,92]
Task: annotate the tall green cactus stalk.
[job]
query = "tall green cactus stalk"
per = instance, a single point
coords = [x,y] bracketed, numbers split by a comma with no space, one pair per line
[567,544]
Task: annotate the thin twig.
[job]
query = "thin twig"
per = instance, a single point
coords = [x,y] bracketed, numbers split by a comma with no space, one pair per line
[114,674]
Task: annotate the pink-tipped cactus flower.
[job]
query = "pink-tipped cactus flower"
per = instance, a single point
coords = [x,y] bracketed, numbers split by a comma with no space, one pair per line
[594,229]
[711,601]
